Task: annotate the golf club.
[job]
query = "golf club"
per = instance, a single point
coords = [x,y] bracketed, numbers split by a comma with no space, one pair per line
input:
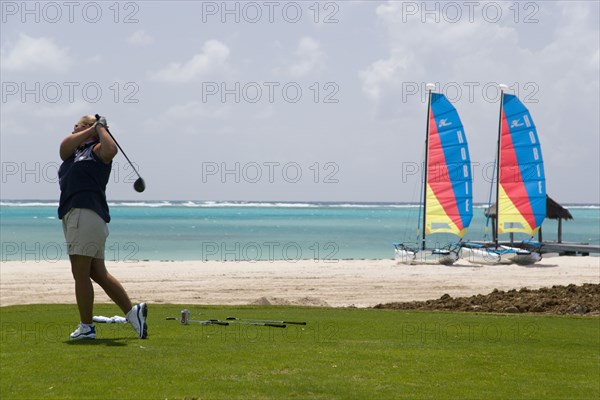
[257,323]
[207,322]
[266,320]
[139,185]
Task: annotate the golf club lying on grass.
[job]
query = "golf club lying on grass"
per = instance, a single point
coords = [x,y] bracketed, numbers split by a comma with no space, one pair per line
[257,323]
[265,320]
[139,185]
[206,322]
[225,323]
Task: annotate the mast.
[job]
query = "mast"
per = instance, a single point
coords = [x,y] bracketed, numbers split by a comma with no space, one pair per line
[502,88]
[430,87]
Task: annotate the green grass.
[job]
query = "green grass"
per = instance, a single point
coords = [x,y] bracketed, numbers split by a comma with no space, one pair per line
[340,354]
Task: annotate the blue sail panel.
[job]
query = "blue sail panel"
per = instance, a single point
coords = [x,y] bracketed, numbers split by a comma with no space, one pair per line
[522,191]
[449,182]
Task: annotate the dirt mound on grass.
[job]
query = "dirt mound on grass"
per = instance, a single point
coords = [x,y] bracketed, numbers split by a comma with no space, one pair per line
[571,299]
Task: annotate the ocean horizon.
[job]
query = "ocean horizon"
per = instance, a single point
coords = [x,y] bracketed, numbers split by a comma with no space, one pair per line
[248,203]
[171,230]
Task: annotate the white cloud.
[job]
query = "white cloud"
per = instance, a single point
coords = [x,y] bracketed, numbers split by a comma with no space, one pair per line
[309,57]
[189,118]
[213,58]
[15,112]
[36,54]
[381,73]
[558,79]
[480,51]
[140,38]
[429,51]
[265,114]
[11,120]
[71,110]
[94,59]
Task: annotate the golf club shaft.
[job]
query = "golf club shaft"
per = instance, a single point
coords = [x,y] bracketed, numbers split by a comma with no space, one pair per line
[207,322]
[120,149]
[257,323]
[127,158]
[211,321]
[266,320]
[273,324]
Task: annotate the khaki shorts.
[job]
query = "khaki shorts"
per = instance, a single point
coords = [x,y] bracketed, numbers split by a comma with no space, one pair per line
[85,233]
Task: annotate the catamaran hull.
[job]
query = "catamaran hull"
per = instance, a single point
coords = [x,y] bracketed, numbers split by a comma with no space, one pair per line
[446,197]
[524,257]
[405,256]
[508,255]
[480,256]
[436,256]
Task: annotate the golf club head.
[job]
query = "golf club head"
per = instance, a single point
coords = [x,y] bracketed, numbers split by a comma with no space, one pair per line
[139,185]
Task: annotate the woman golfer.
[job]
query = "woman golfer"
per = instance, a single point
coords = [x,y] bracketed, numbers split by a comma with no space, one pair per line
[87,156]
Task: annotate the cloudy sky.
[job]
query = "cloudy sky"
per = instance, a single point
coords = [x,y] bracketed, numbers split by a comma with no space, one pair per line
[293,101]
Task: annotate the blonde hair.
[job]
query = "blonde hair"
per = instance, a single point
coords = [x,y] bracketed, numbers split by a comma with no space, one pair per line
[88,120]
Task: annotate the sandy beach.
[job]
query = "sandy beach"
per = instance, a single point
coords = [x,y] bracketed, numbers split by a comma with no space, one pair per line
[361,283]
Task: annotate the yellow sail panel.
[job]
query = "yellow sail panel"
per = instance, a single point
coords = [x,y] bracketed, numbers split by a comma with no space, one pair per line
[510,218]
[436,218]
[521,170]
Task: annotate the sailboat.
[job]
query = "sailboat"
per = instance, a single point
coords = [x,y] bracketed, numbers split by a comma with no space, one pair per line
[446,196]
[520,186]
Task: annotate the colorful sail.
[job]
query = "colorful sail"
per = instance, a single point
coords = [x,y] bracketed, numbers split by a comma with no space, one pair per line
[448,196]
[522,184]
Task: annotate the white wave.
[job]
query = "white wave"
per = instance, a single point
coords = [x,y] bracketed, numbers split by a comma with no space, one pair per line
[164,203]
[28,203]
[140,204]
[305,205]
[246,204]
[217,204]
[363,205]
[582,207]
[293,205]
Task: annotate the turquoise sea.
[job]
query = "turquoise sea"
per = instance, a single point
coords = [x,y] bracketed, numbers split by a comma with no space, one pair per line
[187,230]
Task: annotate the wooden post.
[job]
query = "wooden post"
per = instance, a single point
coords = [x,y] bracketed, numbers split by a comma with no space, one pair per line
[560,230]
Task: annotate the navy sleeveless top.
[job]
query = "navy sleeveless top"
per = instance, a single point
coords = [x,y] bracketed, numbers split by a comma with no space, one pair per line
[83,178]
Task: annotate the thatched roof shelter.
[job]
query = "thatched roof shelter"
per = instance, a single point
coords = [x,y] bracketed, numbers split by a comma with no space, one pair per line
[553,211]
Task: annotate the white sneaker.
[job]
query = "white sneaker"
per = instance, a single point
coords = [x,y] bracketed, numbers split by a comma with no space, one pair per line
[84,332]
[137,318]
